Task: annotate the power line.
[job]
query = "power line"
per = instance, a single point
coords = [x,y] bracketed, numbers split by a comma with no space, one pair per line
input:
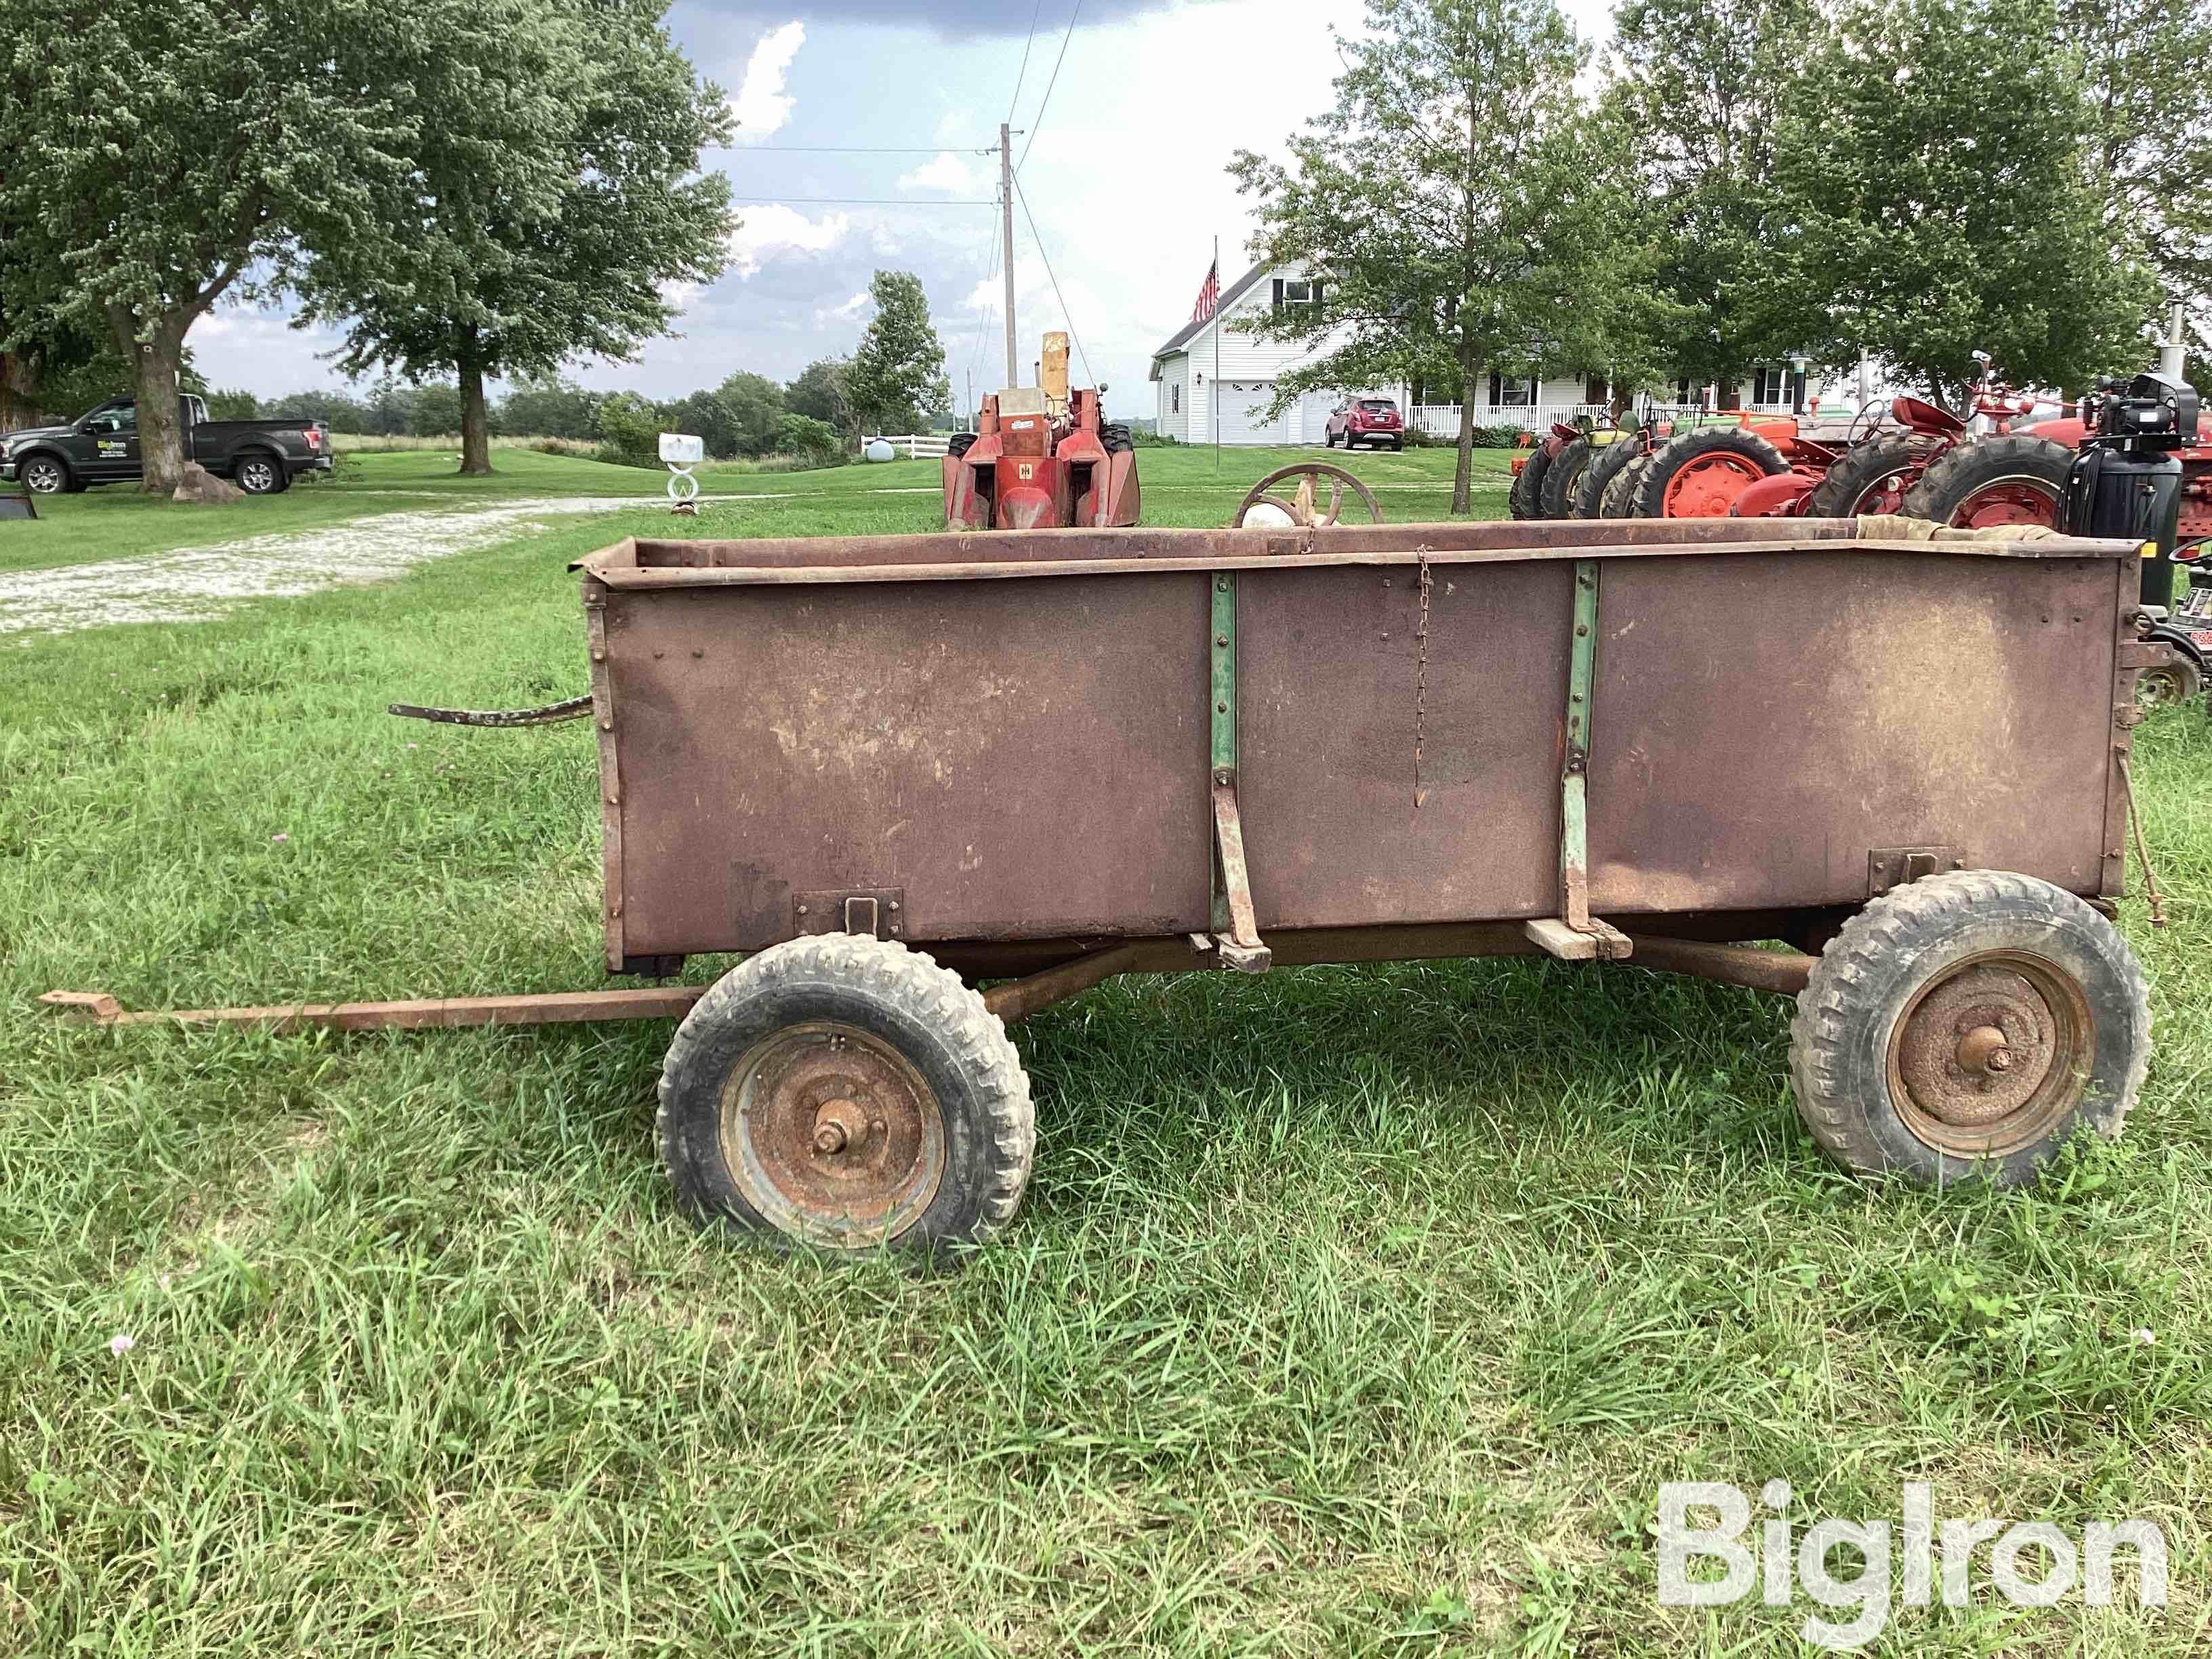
[1023,197]
[1025,75]
[1038,121]
[862,149]
[863,201]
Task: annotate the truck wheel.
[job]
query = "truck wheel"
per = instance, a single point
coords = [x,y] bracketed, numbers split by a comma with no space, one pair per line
[1965,1026]
[1700,474]
[1605,467]
[2011,478]
[260,473]
[48,475]
[846,1091]
[1562,478]
[1870,477]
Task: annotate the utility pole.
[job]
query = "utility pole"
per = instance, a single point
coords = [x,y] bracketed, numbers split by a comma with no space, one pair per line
[1006,203]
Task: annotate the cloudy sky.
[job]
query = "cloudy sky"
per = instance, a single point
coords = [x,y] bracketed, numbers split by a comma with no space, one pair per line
[1122,165]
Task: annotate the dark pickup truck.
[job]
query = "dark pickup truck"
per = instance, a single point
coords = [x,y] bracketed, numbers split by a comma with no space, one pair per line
[260,457]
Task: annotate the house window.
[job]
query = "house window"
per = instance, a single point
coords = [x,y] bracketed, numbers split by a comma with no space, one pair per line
[1291,291]
[1596,390]
[1771,385]
[1685,393]
[1515,392]
[1174,398]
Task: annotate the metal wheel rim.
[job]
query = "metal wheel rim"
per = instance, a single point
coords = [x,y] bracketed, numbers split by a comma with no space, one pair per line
[2048,1026]
[1301,509]
[256,476]
[2157,687]
[1695,490]
[42,479]
[2015,499]
[778,1099]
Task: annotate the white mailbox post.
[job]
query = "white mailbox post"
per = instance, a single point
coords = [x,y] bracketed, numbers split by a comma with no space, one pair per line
[682,452]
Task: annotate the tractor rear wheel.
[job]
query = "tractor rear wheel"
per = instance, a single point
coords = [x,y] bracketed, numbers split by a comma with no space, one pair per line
[1700,474]
[1562,476]
[1527,499]
[1605,467]
[1870,477]
[1619,500]
[2013,478]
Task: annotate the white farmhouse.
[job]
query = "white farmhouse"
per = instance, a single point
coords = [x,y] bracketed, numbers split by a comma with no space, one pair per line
[1215,369]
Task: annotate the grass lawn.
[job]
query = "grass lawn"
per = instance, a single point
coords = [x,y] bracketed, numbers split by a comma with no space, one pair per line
[1352,1310]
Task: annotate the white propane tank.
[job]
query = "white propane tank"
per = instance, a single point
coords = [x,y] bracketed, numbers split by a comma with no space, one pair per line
[880,449]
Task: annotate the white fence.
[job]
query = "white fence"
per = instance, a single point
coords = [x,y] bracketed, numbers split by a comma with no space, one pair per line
[1442,419]
[917,445]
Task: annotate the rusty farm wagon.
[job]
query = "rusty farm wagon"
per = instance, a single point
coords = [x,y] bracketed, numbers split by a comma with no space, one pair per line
[932,784]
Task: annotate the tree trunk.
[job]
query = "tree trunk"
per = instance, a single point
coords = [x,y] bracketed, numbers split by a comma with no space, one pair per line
[1463,475]
[160,432]
[476,417]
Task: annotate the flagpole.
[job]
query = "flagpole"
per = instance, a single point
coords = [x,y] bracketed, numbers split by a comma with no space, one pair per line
[1214,403]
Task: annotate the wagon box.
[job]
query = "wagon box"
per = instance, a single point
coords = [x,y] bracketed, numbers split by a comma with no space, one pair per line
[932,784]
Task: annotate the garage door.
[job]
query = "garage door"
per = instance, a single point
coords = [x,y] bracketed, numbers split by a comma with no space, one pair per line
[1242,403]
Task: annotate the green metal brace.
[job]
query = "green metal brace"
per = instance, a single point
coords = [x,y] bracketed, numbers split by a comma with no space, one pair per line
[1236,930]
[1574,798]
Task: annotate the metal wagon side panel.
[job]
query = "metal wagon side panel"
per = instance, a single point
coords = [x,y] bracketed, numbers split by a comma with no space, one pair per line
[1765,722]
[1015,759]
[1343,685]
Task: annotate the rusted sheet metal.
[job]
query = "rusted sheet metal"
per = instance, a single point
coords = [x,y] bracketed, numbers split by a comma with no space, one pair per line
[610,794]
[1022,759]
[1332,671]
[1747,761]
[438,1013]
[1238,942]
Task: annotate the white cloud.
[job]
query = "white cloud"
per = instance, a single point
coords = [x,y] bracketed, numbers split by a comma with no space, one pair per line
[776,225]
[761,106]
[848,313]
[948,173]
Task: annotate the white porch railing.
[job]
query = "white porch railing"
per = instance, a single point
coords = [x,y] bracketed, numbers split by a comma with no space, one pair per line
[918,445]
[1442,419]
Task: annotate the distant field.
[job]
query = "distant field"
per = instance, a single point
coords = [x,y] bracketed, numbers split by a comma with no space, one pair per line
[1354,1311]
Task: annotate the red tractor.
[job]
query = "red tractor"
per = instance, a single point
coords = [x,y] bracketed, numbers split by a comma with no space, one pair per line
[1043,458]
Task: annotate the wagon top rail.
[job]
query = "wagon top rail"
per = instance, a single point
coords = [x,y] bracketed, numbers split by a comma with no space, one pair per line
[645,563]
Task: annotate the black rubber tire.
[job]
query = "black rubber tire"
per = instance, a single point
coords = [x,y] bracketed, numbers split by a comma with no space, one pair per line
[902,997]
[1397,445]
[280,480]
[66,481]
[1620,497]
[1562,478]
[1671,458]
[1859,469]
[2184,681]
[1605,467]
[1531,485]
[1876,967]
[1980,462]
[1115,438]
[1516,493]
[959,444]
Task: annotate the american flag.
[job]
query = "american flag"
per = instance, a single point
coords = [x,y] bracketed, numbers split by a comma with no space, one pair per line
[1209,294]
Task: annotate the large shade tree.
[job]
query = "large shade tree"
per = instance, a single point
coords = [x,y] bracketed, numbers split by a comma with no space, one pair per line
[1697,87]
[555,208]
[1939,156]
[1462,207]
[897,375]
[161,158]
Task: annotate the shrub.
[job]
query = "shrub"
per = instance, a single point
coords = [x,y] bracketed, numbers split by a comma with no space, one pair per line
[811,442]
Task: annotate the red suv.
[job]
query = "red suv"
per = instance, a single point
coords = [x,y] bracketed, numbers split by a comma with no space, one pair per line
[1366,421]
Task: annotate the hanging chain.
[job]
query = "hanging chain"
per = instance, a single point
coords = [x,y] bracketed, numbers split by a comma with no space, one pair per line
[2155,899]
[1421,680]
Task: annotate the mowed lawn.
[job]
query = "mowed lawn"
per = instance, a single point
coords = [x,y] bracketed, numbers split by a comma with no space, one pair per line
[1352,1310]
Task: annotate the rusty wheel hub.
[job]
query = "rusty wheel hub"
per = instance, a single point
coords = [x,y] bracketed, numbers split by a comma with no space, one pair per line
[832,1135]
[1992,1055]
[2008,500]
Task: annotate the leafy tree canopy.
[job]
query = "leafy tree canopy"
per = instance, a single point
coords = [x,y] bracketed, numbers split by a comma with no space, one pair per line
[899,370]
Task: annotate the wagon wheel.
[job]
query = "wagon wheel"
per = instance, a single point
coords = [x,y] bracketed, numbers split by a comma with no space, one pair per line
[1301,507]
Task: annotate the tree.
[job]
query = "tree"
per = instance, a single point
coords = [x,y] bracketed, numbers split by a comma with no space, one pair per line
[631,429]
[899,369]
[2151,105]
[167,156]
[818,393]
[756,407]
[1461,207]
[705,417]
[554,201]
[1697,87]
[232,405]
[815,442]
[434,410]
[547,406]
[1940,153]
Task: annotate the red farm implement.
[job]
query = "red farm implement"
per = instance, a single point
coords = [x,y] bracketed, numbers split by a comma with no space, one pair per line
[1043,458]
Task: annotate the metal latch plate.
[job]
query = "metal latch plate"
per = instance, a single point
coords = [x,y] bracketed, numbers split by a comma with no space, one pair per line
[1895,866]
[877,912]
